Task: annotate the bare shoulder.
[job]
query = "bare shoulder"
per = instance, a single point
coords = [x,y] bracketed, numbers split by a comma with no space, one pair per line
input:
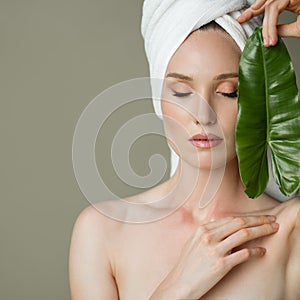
[295,235]
[292,215]
[97,215]
[287,211]
[99,232]
[95,221]
[93,225]
[295,203]
[90,262]
[290,208]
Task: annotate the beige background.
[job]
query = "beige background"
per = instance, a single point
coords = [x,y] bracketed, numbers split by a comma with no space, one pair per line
[56,56]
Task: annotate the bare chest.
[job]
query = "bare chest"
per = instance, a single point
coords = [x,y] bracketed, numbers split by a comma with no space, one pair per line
[146,259]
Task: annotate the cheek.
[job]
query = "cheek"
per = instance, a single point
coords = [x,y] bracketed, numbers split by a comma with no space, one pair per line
[171,111]
[227,118]
[175,120]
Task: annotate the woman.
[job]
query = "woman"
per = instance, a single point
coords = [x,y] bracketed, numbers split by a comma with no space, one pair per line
[232,247]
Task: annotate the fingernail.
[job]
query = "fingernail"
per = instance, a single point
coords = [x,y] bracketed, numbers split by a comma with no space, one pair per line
[270,41]
[275,225]
[271,218]
[266,42]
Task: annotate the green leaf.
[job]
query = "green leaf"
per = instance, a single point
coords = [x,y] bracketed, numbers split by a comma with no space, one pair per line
[269,116]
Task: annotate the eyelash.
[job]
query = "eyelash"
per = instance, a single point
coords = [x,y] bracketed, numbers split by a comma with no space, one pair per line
[181,95]
[229,95]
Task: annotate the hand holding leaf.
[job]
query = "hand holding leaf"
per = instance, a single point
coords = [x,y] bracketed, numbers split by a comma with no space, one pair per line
[271,10]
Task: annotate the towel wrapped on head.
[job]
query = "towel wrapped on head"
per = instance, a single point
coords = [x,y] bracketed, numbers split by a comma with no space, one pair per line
[167,23]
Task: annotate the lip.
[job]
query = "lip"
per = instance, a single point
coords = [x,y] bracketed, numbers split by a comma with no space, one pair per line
[205,141]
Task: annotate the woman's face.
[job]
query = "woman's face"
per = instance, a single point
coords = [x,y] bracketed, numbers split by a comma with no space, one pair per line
[200,98]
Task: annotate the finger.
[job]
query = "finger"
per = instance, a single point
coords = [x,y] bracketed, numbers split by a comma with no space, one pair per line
[245,16]
[272,11]
[265,30]
[237,223]
[204,230]
[249,14]
[293,29]
[248,234]
[210,226]
[258,4]
[243,255]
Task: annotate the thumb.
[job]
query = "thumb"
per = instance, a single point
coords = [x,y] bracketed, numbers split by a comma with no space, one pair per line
[292,29]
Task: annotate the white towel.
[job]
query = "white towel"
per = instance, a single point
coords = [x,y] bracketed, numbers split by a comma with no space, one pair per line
[167,23]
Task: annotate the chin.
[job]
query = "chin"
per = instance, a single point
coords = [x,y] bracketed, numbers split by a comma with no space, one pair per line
[209,160]
[205,163]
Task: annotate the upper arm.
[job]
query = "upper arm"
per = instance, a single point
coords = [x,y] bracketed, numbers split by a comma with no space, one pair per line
[91,277]
[293,278]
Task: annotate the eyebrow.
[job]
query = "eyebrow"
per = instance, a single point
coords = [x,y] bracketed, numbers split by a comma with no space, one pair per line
[226,76]
[187,78]
[179,76]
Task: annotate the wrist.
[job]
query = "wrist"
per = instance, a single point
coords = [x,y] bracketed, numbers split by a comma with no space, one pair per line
[172,292]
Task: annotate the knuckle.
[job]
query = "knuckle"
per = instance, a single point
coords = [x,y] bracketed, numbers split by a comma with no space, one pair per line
[266,228]
[271,6]
[240,221]
[230,218]
[214,252]
[267,6]
[206,238]
[245,253]
[264,219]
[220,265]
[249,13]
[270,228]
[245,233]
[270,2]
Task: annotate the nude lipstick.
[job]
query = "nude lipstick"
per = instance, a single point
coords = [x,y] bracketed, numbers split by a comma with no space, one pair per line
[205,141]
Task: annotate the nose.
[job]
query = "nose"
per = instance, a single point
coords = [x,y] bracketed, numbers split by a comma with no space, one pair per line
[205,115]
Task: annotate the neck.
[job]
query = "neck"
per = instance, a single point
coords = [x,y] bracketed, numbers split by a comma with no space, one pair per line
[211,194]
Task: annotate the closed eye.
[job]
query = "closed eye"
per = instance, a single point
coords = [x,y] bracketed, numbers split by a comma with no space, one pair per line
[181,95]
[230,95]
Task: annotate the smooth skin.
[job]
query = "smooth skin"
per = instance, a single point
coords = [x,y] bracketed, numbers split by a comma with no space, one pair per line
[220,251]
[272,10]
[233,248]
